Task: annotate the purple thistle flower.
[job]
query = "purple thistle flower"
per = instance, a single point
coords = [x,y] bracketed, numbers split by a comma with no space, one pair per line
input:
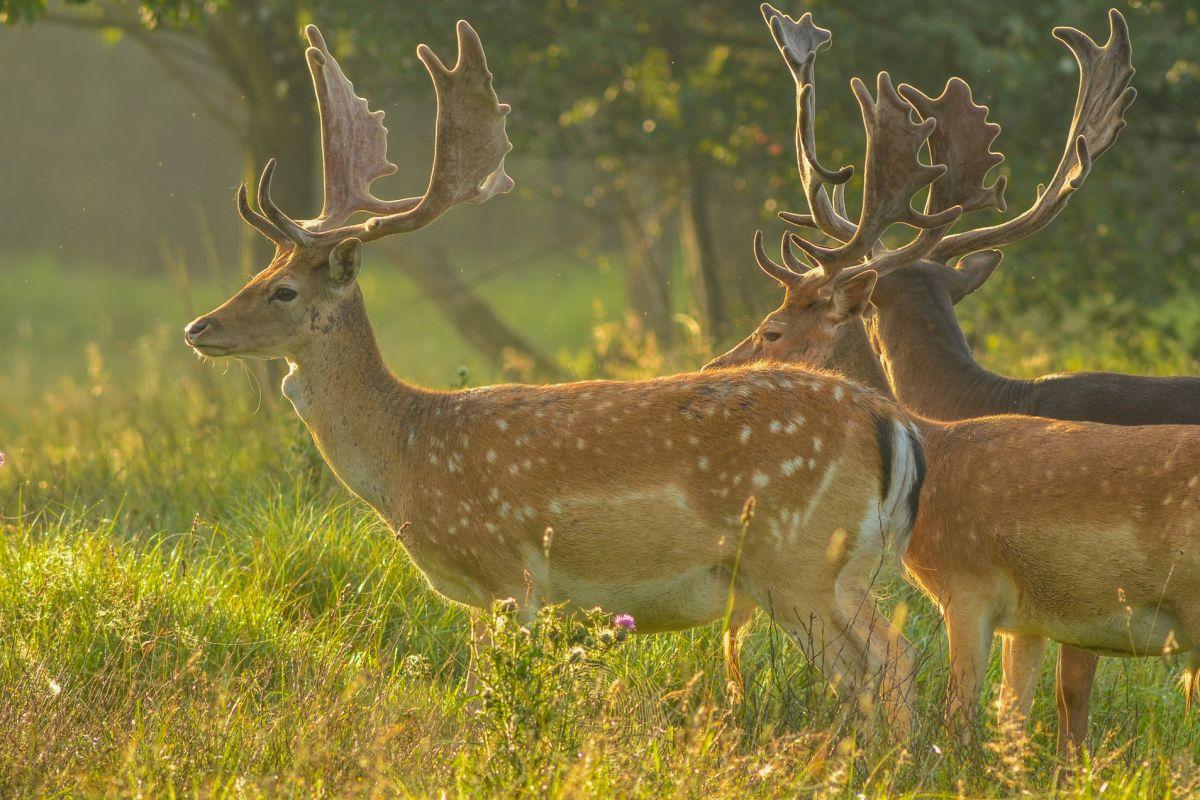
[2,460]
[625,622]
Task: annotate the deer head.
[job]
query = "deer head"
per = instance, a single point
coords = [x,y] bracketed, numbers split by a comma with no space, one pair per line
[835,283]
[301,293]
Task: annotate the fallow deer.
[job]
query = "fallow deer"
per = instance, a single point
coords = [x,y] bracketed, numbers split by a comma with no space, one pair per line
[1019,567]
[642,483]
[925,354]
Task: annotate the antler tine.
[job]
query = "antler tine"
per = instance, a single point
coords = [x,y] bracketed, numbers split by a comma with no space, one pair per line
[1103,96]
[258,221]
[962,141]
[292,231]
[788,277]
[798,41]
[794,262]
[839,200]
[893,174]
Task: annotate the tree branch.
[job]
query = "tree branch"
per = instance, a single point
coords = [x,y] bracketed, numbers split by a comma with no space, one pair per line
[164,56]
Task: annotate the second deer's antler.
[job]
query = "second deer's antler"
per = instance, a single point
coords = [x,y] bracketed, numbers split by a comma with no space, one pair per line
[893,174]
[962,141]
[798,42]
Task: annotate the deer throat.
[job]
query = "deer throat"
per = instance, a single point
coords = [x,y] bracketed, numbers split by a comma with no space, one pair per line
[291,390]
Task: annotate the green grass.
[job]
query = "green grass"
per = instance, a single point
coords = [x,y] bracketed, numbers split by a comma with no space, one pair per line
[191,606]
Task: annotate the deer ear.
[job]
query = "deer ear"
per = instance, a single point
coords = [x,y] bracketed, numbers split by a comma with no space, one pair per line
[344,261]
[850,298]
[978,267]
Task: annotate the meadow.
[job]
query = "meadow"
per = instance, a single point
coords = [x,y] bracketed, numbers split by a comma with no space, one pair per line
[193,607]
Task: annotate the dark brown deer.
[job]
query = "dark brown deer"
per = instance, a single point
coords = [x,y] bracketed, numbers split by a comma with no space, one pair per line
[924,354]
[641,483]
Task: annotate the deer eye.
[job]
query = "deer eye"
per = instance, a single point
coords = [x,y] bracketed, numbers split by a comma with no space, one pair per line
[772,336]
[284,294]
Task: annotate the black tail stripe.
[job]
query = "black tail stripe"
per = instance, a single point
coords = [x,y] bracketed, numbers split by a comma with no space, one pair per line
[914,494]
[884,430]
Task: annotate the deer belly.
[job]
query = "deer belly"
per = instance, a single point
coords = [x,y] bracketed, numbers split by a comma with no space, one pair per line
[1135,631]
[644,552]
[683,600]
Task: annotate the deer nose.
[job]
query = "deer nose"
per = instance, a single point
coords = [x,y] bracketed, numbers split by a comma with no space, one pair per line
[195,328]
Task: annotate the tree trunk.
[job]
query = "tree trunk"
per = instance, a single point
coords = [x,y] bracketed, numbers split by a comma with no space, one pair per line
[475,321]
[262,55]
[647,278]
[699,254]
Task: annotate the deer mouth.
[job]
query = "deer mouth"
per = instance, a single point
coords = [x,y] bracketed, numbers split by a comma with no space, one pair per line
[212,350]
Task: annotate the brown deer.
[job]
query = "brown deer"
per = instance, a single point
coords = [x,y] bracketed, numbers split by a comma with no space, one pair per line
[641,483]
[911,317]
[820,324]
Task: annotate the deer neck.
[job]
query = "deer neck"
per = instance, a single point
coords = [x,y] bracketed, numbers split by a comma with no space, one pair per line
[854,358]
[928,362]
[358,412]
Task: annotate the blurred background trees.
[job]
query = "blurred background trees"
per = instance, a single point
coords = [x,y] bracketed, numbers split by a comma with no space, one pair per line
[651,139]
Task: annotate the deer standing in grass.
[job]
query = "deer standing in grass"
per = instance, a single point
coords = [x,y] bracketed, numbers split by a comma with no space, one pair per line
[911,317]
[1083,533]
[642,483]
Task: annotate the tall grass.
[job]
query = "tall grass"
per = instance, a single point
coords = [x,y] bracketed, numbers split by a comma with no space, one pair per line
[191,606]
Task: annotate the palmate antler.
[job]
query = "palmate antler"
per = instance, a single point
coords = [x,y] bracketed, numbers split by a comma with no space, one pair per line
[1104,95]
[962,141]
[470,144]
[893,173]
[960,149]
[798,41]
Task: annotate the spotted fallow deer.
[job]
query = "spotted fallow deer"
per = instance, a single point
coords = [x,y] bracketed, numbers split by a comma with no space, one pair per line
[642,483]
[911,318]
[1009,499]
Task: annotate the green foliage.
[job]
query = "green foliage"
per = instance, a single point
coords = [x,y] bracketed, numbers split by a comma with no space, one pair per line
[544,684]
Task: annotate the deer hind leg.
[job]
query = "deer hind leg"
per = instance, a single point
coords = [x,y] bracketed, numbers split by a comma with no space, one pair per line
[969,630]
[1073,683]
[889,667]
[1021,659]
[805,611]
[830,642]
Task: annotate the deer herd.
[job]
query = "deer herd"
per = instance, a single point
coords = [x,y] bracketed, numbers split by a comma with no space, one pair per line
[1063,508]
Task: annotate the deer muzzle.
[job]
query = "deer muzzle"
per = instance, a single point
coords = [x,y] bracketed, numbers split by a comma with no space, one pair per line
[200,335]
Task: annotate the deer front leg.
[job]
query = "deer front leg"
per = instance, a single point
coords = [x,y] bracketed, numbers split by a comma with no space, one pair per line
[1021,660]
[1073,692]
[970,632]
